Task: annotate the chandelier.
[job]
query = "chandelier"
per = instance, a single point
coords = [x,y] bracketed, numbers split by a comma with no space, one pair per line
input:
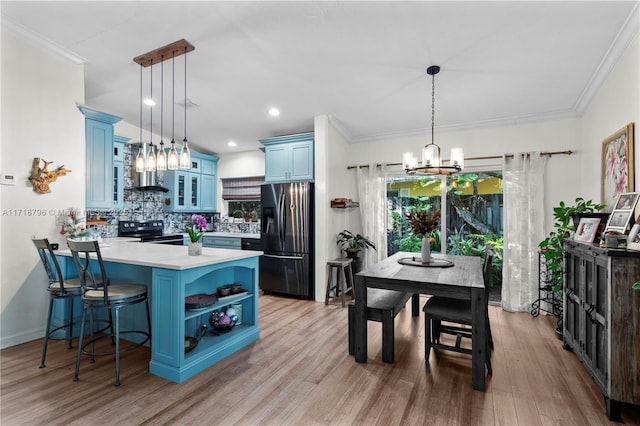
[147,159]
[431,159]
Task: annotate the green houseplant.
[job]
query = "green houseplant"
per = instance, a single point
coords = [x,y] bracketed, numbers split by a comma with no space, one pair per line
[552,246]
[352,244]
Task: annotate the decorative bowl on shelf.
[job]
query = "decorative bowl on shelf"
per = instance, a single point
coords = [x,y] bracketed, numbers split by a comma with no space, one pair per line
[236,288]
[221,322]
[224,290]
[199,301]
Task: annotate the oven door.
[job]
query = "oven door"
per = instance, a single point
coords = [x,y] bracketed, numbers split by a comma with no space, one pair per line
[175,240]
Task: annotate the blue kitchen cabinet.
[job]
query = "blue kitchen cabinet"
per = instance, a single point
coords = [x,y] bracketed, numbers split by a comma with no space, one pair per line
[289,158]
[184,190]
[99,139]
[207,192]
[192,190]
[118,171]
[222,242]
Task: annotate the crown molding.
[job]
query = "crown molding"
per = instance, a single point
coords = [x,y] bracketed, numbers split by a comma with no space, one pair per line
[628,32]
[42,41]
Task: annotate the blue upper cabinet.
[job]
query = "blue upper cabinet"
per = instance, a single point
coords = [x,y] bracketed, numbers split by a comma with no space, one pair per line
[192,190]
[99,138]
[118,171]
[289,158]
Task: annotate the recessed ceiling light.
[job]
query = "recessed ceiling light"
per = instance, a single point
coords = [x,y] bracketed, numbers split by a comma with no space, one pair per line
[274,112]
[150,102]
[232,143]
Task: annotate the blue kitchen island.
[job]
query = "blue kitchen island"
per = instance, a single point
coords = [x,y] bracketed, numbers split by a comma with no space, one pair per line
[171,275]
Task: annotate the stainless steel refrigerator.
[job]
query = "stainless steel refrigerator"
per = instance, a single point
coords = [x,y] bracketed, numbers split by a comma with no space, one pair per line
[287,231]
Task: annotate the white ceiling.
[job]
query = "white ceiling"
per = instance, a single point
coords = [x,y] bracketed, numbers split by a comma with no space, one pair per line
[363,63]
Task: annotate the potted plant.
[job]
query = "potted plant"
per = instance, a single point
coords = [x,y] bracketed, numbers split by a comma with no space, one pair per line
[352,244]
[552,246]
[423,223]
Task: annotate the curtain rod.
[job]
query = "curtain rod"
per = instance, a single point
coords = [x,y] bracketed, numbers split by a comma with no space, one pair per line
[490,157]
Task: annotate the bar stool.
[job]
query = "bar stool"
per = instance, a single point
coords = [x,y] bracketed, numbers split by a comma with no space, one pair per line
[59,289]
[342,266]
[99,294]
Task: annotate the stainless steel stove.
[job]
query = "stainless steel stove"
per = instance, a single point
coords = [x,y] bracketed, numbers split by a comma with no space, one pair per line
[149,232]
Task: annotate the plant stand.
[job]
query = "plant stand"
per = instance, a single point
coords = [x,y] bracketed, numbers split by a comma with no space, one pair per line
[548,300]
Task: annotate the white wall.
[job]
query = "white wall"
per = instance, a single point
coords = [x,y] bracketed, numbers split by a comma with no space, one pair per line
[242,164]
[332,180]
[39,118]
[615,105]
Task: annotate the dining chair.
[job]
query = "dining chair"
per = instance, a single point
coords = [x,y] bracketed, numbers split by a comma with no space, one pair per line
[445,315]
[59,289]
[99,294]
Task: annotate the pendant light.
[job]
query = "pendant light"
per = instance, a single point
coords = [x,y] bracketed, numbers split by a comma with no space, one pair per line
[431,160]
[172,159]
[185,156]
[151,154]
[147,160]
[140,163]
[161,158]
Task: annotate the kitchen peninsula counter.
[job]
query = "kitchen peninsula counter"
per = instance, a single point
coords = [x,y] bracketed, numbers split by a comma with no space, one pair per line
[171,275]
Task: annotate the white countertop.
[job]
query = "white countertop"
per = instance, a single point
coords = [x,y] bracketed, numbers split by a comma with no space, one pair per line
[131,251]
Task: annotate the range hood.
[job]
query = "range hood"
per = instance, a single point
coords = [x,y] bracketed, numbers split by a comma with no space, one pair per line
[145,181]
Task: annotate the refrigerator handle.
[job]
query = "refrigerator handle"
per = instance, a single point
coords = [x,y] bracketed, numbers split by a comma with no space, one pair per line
[283,257]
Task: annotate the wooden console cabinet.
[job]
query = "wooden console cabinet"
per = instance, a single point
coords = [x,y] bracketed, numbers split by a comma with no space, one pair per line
[602,319]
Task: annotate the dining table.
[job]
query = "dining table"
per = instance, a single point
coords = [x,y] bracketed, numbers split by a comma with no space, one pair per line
[453,276]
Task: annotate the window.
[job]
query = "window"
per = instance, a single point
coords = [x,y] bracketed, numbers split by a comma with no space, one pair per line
[472,215]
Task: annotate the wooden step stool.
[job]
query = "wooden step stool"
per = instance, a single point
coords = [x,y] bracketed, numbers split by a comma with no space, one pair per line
[345,275]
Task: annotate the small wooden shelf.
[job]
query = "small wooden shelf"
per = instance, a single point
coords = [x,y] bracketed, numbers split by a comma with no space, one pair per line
[98,222]
[344,205]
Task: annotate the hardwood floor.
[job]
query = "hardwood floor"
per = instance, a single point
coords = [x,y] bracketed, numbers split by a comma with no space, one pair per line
[299,373]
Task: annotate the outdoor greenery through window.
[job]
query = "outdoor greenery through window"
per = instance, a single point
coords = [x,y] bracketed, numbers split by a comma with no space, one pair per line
[473,216]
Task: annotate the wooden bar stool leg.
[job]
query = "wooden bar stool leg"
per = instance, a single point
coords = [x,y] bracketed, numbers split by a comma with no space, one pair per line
[329,280]
[349,273]
[341,285]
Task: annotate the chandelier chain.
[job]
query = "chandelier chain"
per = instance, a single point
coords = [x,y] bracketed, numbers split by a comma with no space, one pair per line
[185,93]
[141,103]
[433,105]
[173,102]
[151,108]
[161,99]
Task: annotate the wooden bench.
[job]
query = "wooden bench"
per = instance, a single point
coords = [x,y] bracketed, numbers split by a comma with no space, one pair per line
[383,306]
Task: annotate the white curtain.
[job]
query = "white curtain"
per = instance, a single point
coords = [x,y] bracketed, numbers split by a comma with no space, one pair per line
[372,195]
[523,182]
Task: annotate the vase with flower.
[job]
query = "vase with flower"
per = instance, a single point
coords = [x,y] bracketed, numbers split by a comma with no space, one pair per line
[196,231]
[424,222]
[73,225]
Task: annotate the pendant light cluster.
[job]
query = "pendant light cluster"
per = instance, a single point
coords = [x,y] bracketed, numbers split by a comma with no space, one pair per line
[147,159]
[431,159]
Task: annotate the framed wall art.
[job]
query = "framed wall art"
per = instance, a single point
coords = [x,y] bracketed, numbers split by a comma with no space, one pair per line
[617,165]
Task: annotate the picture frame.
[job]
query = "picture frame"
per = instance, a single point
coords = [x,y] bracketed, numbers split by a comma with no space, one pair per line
[633,242]
[619,220]
[627,201]
[587,229]
[617,165]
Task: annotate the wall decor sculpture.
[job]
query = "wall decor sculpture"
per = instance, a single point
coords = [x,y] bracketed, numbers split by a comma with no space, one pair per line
[41,177]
